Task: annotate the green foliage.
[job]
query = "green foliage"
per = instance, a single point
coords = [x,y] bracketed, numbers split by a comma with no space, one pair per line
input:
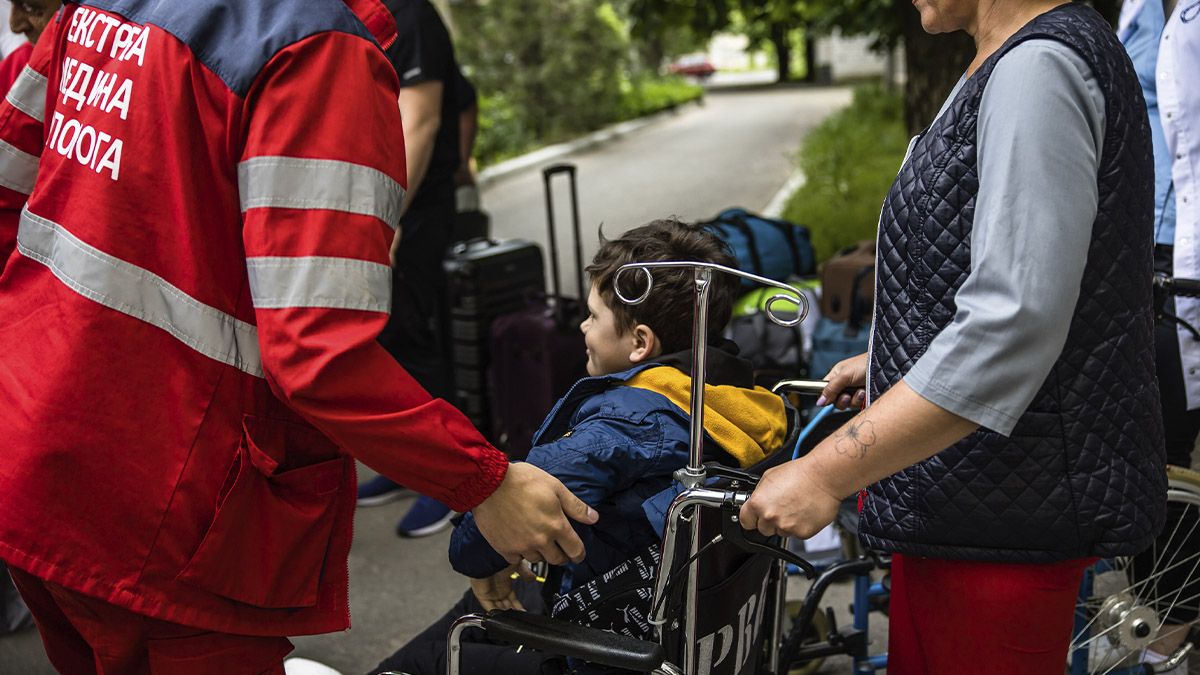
[644,95]
[849,161]
[549,71]
[557,64]
[502,131]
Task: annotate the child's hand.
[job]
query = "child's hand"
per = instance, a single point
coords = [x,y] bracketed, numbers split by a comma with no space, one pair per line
[496,592]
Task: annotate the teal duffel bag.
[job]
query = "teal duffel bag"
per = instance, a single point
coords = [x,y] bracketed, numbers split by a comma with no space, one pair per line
[771,248]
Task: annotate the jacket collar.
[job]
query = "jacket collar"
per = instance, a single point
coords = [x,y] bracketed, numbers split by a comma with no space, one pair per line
[377,19]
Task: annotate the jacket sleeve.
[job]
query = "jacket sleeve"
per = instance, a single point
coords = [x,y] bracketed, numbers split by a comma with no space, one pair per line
[21,132]
[600,457]
[320,179]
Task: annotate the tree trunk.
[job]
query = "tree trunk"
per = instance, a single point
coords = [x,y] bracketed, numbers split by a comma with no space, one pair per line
[783,50]
[810,54]
[933,64]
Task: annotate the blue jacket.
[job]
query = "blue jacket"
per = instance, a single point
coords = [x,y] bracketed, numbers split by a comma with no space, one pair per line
[615,441]
[614,447]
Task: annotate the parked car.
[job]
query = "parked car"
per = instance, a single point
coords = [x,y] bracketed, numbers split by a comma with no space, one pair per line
[696,65]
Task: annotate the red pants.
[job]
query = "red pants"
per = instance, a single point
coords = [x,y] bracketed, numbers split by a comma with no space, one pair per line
[950,617]
[85,635]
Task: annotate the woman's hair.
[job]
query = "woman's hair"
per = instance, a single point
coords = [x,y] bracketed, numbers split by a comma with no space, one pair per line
[668,308]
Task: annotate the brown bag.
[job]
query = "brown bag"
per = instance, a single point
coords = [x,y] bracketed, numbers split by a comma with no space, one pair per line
[848,284]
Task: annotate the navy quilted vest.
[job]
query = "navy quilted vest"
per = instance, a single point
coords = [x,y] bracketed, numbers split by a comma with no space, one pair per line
[1083,472]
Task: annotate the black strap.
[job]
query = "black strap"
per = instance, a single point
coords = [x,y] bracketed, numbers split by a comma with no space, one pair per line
[854,321]
[788,230]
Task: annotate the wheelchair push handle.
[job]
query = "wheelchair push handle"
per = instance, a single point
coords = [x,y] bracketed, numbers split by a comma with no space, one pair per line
[803,387]
[1188,288]
[753,542]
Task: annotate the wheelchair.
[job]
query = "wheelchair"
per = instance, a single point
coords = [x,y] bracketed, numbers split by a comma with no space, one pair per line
[717,594]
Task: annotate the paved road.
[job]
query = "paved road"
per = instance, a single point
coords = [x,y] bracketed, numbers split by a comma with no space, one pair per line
[735,150]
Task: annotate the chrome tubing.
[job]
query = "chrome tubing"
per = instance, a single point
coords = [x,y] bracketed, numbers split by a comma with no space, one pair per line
[777,621]
[694,474]
[454,641]
[697,496]
[813,387]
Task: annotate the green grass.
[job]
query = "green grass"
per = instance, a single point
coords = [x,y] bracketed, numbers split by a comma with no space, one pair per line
[849,162]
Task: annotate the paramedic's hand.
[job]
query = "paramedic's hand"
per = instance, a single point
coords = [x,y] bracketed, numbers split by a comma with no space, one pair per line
[526,517]
[496,592]
[789,501]
[847,384]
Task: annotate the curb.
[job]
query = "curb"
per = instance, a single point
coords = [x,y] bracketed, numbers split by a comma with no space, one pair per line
[550,153]
[779,202]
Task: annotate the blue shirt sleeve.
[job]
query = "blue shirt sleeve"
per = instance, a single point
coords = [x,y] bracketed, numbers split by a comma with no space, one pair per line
[1040,136]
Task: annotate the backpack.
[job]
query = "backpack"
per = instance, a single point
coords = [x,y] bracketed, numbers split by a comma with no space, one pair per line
[775,249]
[777,352]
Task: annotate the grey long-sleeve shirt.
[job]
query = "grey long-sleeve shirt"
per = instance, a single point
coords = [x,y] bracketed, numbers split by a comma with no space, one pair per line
[1040,137]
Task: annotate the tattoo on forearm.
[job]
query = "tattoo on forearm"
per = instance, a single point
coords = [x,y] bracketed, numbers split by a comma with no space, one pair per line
[856,439]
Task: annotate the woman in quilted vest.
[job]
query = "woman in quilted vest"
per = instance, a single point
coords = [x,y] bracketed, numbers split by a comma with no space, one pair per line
[1012,432]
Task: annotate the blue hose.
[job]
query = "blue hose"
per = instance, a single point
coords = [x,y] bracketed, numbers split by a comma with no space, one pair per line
[821,414]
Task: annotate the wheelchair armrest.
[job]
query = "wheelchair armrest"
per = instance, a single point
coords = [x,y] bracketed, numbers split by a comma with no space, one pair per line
[569,639]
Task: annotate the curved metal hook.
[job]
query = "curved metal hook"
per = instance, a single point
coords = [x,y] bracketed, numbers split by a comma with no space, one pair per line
[790,294]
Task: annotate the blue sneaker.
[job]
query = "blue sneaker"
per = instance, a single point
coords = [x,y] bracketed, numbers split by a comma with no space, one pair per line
[380,490]
[425,517]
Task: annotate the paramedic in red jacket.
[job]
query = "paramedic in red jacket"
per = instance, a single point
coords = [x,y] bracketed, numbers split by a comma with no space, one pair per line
[201,214]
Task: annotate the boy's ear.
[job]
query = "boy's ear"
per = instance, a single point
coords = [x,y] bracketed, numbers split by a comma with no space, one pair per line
[645,344]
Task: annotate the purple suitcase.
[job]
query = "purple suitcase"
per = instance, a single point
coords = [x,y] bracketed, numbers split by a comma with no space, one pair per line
[537,353]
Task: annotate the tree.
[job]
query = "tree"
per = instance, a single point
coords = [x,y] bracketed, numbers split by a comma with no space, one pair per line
[557,64]
[763,21]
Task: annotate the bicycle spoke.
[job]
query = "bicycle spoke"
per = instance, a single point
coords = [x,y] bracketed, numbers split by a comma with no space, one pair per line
[1175,551]
[1171,571]
[1179,591]
[1136,587]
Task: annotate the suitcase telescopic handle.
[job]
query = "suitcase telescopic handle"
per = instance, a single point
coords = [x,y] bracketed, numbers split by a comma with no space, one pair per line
[548,174]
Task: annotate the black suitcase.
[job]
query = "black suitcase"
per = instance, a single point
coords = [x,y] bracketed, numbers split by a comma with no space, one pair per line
[538,352]
[485,279]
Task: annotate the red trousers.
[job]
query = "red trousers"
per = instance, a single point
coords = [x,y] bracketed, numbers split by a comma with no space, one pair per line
[88,636]
[950,617]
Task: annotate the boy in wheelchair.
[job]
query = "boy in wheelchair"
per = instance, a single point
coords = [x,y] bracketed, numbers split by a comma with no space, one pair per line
[615,439]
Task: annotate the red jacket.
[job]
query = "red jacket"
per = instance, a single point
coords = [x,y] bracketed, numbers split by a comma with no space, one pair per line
[188,324]
[13,64]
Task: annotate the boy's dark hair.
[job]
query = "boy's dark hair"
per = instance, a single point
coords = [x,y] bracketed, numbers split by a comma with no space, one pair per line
[668,309]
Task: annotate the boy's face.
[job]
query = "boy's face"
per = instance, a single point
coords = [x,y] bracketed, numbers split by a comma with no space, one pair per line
[608,352]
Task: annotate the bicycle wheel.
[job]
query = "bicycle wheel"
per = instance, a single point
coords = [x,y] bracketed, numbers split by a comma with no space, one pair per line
[1137,601]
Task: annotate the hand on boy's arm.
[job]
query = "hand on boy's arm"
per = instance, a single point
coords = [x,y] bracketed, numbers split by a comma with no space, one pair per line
[527,517]
[496,591]
[900,429]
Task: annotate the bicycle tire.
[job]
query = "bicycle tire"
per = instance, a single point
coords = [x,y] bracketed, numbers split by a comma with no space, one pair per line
[1121,608]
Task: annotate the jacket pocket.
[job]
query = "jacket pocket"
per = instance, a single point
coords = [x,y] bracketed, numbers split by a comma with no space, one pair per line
[268,540]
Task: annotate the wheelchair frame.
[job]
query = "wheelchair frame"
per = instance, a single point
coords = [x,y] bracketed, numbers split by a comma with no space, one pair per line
[604,648]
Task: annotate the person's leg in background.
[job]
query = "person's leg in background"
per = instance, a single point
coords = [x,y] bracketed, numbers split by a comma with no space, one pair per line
[415,336]
[88,636]
[951,616]
[14,615]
